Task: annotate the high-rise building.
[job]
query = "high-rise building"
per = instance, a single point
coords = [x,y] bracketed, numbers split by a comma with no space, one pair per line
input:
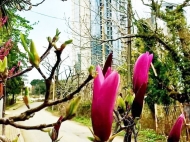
[108,21]
[95,22]
[81,34]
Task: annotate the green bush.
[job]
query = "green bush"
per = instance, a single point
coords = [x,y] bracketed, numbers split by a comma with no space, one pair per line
[84,109]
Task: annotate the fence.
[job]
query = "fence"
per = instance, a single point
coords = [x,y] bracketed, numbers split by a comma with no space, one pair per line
[164,118]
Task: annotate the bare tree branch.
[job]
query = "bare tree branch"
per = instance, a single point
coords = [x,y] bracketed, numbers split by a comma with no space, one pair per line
[38,3]
[31,67]
[25,115]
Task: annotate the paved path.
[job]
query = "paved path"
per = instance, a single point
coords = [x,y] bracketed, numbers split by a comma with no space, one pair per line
[71,131]
[10,131]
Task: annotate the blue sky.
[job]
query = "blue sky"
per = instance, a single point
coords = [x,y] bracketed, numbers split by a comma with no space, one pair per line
[53,14]
[49,16]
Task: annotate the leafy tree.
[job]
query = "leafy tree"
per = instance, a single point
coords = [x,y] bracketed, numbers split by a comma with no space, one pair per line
[159,83]
[171,56]
[16,23]
[15,4]
[39,86]
[171,53]
[13,87]
[34,82]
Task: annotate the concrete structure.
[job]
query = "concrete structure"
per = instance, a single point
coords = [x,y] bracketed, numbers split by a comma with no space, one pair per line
[160,22]
[109,21]
[81,34]
[92,22]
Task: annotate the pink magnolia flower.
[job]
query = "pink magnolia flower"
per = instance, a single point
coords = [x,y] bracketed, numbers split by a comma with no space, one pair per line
[140,80]
[4,51]
[108,63]
[3,20]
[174,135]
[14,69]
[104,96]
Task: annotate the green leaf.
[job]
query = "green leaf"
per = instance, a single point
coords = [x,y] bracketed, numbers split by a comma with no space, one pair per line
[91,69]
[113,136]
[72,107]
[91,138]
[46,129]
[58,139]
[68,41]
[121,103]
[26,93]
[16,139]
[34,57]
[3,64]
[23,42]
[129,99]
[95,137]
[57,32]
[1,69]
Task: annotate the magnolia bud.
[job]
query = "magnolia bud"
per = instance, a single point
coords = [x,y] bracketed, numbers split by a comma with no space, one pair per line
[34,57]
[72,107]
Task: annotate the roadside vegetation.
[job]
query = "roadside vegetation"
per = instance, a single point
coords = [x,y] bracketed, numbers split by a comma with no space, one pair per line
[145,135]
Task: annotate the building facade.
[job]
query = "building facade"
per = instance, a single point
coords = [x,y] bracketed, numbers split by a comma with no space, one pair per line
[94,23]
[80,25]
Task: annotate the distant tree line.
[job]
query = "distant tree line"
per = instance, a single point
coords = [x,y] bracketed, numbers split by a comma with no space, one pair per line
[38,87]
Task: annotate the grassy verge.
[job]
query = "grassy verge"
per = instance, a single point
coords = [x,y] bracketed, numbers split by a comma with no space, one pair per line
[49,109]
[83,120]
[15,105]
[150,135]
[145,135]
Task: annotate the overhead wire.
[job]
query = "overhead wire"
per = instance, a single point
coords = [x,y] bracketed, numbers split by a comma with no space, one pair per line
[53,16]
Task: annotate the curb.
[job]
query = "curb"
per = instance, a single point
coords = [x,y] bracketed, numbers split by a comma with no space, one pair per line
[12,132]
[18,105]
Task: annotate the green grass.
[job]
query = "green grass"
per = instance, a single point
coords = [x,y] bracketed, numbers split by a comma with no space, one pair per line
[83,120]
[54,112]
[149,135]
[15,105]
[145,135]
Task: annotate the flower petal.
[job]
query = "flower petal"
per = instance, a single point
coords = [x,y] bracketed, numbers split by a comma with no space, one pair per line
[102,108]
[107,63]
[174,135]
[109,71]
[97,82]
[137,104]
[141,69]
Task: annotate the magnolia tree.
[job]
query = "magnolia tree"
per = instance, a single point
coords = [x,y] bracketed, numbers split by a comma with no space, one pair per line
[104,109]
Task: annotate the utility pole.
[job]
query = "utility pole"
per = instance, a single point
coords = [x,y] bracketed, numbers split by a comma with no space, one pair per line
[102,29]
[129,19]
[4,106]
[53,88]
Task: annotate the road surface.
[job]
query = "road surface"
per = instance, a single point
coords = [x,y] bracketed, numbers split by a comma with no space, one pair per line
[71,131]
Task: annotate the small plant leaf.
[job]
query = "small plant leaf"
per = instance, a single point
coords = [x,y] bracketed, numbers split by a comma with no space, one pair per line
[121,103]
[91,138]
[68,41]
[46,129]
[129,99]
[23,42]
[72,107]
